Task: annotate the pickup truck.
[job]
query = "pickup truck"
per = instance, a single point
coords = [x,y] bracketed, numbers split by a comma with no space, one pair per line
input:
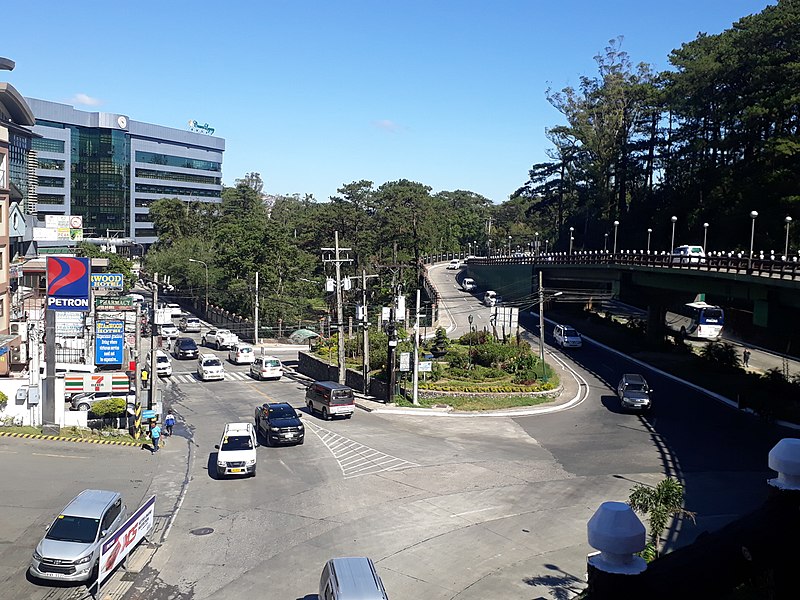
[220,338]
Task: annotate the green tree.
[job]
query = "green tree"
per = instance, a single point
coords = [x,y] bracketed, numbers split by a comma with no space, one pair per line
[659,504]
[116,263]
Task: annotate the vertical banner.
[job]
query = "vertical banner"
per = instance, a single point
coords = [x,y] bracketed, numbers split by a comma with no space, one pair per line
[120,543]
[109,342]
[68,283]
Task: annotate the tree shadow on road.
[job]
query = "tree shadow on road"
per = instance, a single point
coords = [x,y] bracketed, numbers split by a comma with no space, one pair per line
[560,584]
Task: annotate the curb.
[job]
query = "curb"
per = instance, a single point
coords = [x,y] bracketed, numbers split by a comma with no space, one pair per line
[40,436]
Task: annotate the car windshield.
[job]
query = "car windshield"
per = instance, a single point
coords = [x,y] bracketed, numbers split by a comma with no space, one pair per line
[570,332]
[244,350]
[636,387]
[192,321]
[237,442]
[212,362]
[163,359]
[272,363]
[281,412]
[187,344]
[81,530]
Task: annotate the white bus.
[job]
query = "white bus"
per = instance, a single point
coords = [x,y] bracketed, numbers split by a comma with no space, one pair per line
[696,320]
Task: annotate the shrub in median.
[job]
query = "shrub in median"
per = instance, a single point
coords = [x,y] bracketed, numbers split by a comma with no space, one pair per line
[109,407]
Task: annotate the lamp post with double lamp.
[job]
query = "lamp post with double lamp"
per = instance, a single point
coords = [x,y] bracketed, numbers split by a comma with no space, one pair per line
[571,229]
[753,215]
[469,356]
[787,220]
[509,245]
[674,220]
[605,243]
[705,236]
[206,267]
[649,231]
[536,244]
[616,224]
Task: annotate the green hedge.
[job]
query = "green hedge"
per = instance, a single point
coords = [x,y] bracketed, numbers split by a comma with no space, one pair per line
[109,407]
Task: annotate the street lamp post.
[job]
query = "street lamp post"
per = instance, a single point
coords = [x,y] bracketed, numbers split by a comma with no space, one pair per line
[674,220]
[649,231]
[509,245]
[787,220]
[753,215]
[536,247]
[571,229]
[616,224]
[705,236]
[469,356]
[206,266]
[605,243]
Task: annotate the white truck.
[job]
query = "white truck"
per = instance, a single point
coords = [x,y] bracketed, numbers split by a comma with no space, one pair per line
[220,338]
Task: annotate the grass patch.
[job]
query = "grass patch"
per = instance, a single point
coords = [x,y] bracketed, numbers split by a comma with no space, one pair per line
[478,403]
[76,432]
[20,429]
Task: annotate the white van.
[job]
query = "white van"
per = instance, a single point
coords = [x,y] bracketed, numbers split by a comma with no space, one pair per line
[454,264]
[490,298]
[689,254]
[468,284]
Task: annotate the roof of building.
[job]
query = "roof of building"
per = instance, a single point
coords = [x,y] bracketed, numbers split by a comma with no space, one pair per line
[15,105]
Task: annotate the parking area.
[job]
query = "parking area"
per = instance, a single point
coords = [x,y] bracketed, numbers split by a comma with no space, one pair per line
[39,479]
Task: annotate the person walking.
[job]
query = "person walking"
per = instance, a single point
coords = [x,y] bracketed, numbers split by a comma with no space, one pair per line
[169,422]
[155,435]
[746,357]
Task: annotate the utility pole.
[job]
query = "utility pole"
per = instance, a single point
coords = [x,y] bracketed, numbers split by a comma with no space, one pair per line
[255,313]
[49,425]
[339,308]
[390,357]
[152,377]
[365,327]
[415,387]
[541,324]
[137,353]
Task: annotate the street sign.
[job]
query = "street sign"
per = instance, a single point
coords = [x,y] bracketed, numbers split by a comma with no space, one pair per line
[109,341]
[425,366]
[148,414]
[114,303]
[108,281]
[405,361]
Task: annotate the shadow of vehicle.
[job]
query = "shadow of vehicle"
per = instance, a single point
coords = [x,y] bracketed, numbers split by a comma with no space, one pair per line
[211,466]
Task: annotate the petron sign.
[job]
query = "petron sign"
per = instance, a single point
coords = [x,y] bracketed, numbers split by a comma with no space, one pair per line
[68,283]
[108,281]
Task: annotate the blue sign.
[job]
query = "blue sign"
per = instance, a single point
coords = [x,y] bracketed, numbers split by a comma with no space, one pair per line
[148,414]
[108,281]
[68,283]
[109,342]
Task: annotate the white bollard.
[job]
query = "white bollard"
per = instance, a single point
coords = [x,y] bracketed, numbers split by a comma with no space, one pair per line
[785,459]
[617,533]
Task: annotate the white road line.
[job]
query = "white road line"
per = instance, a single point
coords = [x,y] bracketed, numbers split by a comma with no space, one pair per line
[57,455]
[472,512]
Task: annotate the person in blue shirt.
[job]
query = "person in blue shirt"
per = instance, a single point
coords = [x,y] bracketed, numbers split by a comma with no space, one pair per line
[155,435]
[169,423]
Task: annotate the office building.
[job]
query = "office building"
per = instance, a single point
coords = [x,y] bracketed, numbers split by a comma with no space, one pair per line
[108,169]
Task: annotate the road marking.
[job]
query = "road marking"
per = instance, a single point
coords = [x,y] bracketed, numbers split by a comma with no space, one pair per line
[57,455]
[8,452]
[356,459]
[472,512]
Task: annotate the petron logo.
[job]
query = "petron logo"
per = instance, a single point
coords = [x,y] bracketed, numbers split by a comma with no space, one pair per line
[68,283]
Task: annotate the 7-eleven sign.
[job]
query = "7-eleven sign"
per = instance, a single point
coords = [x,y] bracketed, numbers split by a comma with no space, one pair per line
[96,382]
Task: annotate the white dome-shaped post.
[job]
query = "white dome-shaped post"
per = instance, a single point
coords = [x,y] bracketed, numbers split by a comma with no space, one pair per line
[618,534]
[785,459]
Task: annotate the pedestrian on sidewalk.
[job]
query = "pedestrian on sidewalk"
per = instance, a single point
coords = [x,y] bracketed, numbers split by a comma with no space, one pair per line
[169,422]
[155,435]
[746,357]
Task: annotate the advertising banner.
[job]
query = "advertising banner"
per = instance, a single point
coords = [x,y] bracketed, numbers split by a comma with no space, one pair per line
[119,544]
[113,382]
[108,281]
[68,283]
[109,342]
[114,303]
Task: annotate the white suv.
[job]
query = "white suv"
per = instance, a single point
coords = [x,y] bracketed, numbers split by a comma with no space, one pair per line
[209,366]
[236,451]
[567,337]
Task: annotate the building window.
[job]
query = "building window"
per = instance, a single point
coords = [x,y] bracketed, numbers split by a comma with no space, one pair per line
[2,307]
[3,171]
[50,199]
[169,176]
[168,160]
[173,190]
[51,163]
[48,145]
[51,181]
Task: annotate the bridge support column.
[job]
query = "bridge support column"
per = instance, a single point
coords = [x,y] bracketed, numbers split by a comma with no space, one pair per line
[655,323]
[761,313]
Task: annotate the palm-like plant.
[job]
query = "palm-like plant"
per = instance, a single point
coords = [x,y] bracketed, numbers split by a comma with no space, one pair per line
[659,504]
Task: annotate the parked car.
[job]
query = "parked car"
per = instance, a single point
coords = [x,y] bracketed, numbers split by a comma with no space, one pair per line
[209,367]
[241,354]
[168,331]
[567,337]
[454,264]
[634,392]
[236,451]
[163,364]
[185,347]
[351,577]
[220,338]
[266,367]
[84,400]
[189,325]
[70,549]
[279,423]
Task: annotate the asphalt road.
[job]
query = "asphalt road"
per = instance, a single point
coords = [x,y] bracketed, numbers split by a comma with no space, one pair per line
[447,508]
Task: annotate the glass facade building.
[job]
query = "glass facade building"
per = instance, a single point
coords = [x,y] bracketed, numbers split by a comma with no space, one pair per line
[110,169]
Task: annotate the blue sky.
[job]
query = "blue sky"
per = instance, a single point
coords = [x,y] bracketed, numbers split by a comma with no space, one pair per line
[316,94]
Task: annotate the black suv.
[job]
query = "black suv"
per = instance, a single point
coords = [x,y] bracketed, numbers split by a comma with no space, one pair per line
[185,348]
[279,423]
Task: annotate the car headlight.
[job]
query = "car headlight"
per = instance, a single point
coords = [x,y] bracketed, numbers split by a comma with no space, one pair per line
[84,560]
[220,463]
[300,427]
[37,556]
[251,462]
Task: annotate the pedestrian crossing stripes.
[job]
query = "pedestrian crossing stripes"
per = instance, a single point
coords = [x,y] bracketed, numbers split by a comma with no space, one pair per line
[195,378]
[355,459]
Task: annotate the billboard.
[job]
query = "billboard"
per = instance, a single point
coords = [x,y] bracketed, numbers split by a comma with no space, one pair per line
[119,544]
[108,281]
[68,283]
[107,382]
[109,342]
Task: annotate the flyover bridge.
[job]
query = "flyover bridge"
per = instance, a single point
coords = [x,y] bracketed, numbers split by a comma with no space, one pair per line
[769,289]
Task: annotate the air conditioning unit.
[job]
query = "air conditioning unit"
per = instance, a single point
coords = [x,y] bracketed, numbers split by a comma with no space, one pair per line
[19,328]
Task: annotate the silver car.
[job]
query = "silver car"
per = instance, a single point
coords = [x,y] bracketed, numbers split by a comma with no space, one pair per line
[70,549]
[634,393]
